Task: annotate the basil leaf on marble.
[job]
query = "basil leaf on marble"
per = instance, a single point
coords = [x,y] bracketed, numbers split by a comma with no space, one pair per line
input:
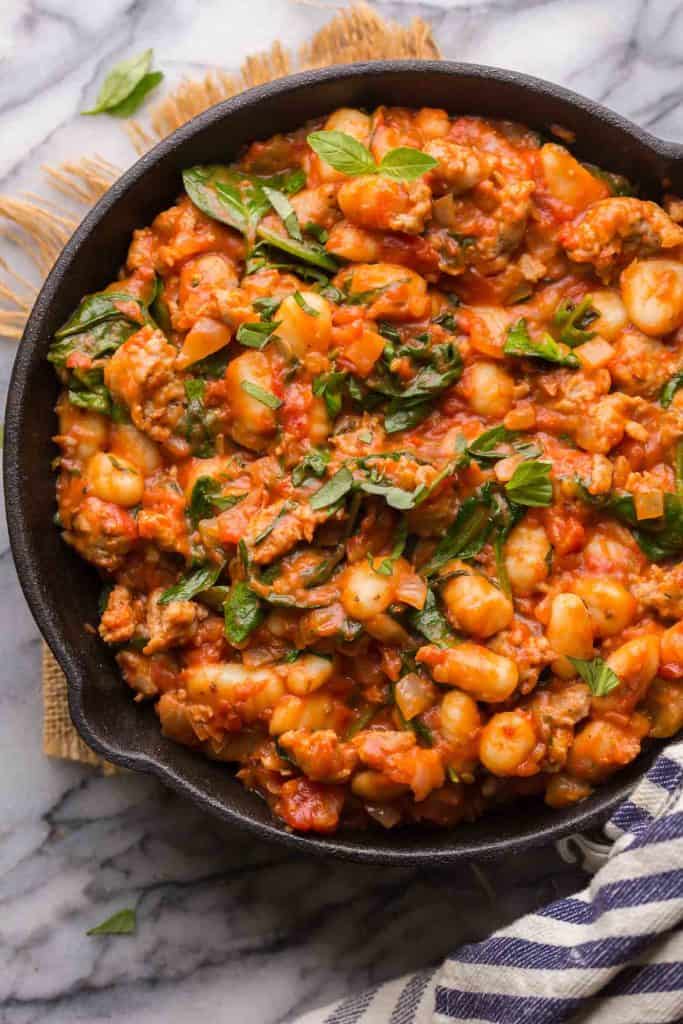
[124,922]
[126,86]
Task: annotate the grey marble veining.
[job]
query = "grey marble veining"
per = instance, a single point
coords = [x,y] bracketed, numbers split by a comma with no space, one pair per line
[232,930]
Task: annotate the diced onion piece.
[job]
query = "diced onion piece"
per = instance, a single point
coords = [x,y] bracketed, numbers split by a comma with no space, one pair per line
[389,631]
[412,590]
[414,695]
[444,211]
[649,504]
[595,354]
[363,352]
[204,338]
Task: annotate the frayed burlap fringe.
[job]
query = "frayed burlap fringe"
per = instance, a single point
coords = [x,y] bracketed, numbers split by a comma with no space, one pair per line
[41,226]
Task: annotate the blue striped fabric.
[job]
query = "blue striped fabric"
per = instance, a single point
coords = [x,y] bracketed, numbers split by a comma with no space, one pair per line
[611,954]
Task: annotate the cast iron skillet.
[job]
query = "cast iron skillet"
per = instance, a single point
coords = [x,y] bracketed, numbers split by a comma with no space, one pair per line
[62,589]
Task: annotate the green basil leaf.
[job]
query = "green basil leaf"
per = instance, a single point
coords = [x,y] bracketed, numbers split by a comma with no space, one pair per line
[330,387]
[324,569]
[261,395]
[242,612]
[313,464]
[302,304]
[465,537]
[206,498]
[97,308]
[406,163]
[192,584]
[260,537]
[573,321]
[284,210]
[485,446]
[121,81]
[256,335]
[432,623]
[134,101]
[234,198]
[267,307]
[342,152]
[519,343]
[395,497]
[597,673]
[123,922]
[96,398]
[404,417]
[307,252]
[334,490]
[666,395]
[531,485]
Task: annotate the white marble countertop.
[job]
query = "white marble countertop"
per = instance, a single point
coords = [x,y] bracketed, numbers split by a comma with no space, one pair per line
[233,930]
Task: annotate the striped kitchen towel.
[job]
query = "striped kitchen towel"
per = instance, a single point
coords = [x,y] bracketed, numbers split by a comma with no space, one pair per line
[611,954]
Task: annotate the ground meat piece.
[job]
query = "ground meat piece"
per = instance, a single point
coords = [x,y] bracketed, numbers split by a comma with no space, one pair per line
[310,806]
[527,648]
[459,167]
[556,709]
[172,624]
[162,517]
[122,616]
[320,755]
[612,232]
[397,756]
[290,523]
[661,589]
[141,376]
[148,676]
[103,533]
[641,365]
[177,719]
[381,203]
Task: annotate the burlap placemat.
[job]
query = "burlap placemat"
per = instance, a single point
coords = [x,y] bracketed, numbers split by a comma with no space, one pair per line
[41,226]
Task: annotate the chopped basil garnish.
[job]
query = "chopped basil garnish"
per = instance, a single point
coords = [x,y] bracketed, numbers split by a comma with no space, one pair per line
[531,485]
[194,583]
[519,343]
[349,156]
[242,612]
[261,395]
[597,673]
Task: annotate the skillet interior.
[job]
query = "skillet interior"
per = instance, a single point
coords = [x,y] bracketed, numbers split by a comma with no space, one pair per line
[62,589]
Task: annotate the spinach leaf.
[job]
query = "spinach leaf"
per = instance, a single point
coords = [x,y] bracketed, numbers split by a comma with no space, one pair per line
[432,623]
[573,321]
[401,417]
[324,569]
[126,86]
[286,507]
[313,464]
[285,210]
[330,386]
[235,198]
[485,446]
[597,673]
[531,485]
[206,498]
[659,538]
[307,252]
[519,343]
[465,537]
[666,395]
[242,612]
[192,584]
[336,488]
[196,428]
